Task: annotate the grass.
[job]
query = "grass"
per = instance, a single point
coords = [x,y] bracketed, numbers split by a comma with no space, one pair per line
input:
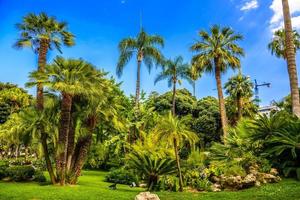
[91,187]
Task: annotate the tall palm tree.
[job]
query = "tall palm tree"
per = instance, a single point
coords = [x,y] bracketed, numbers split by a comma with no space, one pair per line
[193,75]
[218,51]
[239,87]
[279,47]
[43,33]
[291,58]
[69,77]
[173,130]
[174,71]
[144,46]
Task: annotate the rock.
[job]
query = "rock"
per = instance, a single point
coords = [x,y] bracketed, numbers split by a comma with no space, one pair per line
[215,179]
[257,183]
[274,171]
[249,180]
[270,178]
[146,196]
[143,185]
[216,187]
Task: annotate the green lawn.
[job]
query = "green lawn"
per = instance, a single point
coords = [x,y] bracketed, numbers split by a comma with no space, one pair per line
[91,186]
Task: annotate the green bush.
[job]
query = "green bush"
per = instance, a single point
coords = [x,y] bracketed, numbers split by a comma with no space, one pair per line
[121,176]
[202,185]
[167,183]
[39,177]
[197,179]
[3,167]
[20,173]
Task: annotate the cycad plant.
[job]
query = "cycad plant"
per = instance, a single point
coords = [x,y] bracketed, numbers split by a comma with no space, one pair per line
[216,52]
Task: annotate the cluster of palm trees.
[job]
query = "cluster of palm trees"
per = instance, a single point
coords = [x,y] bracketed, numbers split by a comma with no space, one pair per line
[85,96]
[215,52]
[80,83]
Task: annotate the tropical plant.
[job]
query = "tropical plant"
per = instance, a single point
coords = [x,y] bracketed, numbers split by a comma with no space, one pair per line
[239,87]
[217,52]
[278,46]
[174,131]
[43,33]
[69,77]
[145,48]
[193,75]
[174,71]
[151,166]
[291,58]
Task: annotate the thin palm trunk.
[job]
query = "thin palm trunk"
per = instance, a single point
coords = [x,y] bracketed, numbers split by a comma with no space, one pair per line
[44,46]
[291,58]
[194,88]
[138,83]
[239,106]
[174,99]
[221,101]
[178,165]
[63,136]
[71,144]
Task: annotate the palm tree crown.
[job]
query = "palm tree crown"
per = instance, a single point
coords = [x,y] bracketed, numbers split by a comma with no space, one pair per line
[219,46]
[277,45]
[239,85]
[144,46]
[37,28]
[174,71]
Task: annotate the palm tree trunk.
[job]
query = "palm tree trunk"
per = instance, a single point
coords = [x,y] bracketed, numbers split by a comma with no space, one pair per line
[174,99]
[291,58]
[239,106]
[47,159]
[138,83]
[65,117]
[43,50]
[194,88]
[71,145]
[178,165]
[26,154]
[221,100]
[81,150]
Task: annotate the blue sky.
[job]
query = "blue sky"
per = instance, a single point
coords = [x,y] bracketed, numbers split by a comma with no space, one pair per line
[100,24]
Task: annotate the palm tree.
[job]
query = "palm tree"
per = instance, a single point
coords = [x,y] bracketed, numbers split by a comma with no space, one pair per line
[144,46]
[279,47]
[43,33]
[70,77]
[193,75]
[216,53]
[239,87]
[291,58]
[173,71]
[173,130]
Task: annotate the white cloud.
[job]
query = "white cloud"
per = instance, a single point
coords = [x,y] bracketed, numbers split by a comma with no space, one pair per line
[276,21]
[250,5]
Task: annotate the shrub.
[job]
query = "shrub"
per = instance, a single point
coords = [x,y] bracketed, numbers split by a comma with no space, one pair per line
[39,177]
[3,167]
[20,173]
[167,183]
[121,176]
[202,185]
